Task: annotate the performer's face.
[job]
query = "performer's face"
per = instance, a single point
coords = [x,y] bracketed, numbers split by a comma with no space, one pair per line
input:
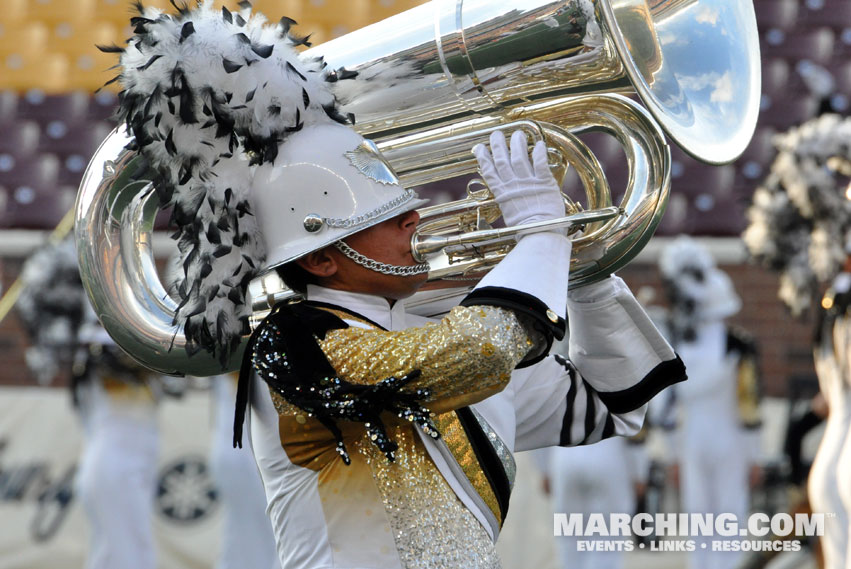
[387,242]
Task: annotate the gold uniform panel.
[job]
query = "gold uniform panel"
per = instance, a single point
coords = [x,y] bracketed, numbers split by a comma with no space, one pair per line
[409,497]
[463,358]
[747,392]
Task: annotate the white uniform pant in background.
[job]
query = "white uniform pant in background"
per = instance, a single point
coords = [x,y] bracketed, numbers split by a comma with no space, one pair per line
[842,342]
[593,479]
[713,485]
[247,539]
[116,480]
[827,480]
[715,452]
[824,481]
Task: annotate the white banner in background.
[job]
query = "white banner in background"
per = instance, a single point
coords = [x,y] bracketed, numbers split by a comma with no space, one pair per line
[41,522]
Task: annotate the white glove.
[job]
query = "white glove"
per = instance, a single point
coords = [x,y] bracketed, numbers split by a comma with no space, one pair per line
[526,192]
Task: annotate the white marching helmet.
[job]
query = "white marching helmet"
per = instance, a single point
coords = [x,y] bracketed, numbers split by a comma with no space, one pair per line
[328,182]
[721,300]
[246,143]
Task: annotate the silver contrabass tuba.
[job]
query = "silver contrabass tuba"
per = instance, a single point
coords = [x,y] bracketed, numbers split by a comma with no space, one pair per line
[433,81]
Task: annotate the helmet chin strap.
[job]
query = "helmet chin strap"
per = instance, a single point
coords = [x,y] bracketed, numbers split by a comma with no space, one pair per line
[378,267]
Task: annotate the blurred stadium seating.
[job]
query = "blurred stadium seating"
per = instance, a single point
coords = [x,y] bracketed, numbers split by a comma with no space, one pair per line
[51,119]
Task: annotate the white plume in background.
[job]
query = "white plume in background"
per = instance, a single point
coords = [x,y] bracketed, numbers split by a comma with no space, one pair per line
[684,252]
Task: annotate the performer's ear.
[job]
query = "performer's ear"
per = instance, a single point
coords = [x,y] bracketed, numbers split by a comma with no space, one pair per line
[319,263]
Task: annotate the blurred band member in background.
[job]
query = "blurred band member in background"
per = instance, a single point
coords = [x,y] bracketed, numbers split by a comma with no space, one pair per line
[603,478]
[717,442]
[117,403]
[800,226]
[247,538]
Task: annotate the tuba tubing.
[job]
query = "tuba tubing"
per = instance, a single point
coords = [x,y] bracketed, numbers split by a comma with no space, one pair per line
[114,224]
[456,238]
[449,60]
[612,236]
[455,61]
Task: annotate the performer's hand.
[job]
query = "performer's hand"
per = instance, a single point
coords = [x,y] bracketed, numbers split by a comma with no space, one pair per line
[819,405]
[525,191]
[755,476]
[545,485]
[674,474]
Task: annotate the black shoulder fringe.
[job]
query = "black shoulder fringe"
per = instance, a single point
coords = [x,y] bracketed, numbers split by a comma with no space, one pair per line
[284,352]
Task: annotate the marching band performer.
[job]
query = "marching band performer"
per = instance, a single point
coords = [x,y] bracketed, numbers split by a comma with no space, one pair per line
[836,323]
[383,440]
[117,403]
[717,438]
[800,226]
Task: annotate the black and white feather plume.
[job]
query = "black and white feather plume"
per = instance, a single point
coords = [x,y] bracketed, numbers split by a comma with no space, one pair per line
[207,95]
[800,215]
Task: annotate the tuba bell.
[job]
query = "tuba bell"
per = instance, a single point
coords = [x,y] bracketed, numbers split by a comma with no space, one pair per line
[433,81]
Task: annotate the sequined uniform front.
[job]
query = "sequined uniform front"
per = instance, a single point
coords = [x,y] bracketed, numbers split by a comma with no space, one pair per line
[435,504]
[461,360]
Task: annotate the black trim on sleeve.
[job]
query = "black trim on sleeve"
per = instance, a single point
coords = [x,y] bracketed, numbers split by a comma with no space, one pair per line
[609,429]
[521,302]
[590,415]
[544,320]
[567,420]
[487,457]
[663,375]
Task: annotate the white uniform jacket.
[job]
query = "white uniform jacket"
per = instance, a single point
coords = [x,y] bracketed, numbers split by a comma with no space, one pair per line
[440,501]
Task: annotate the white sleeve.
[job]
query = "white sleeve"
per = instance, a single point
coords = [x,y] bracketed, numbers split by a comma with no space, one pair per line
[555,406]
[621,362]
[532,282]
[616,346]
